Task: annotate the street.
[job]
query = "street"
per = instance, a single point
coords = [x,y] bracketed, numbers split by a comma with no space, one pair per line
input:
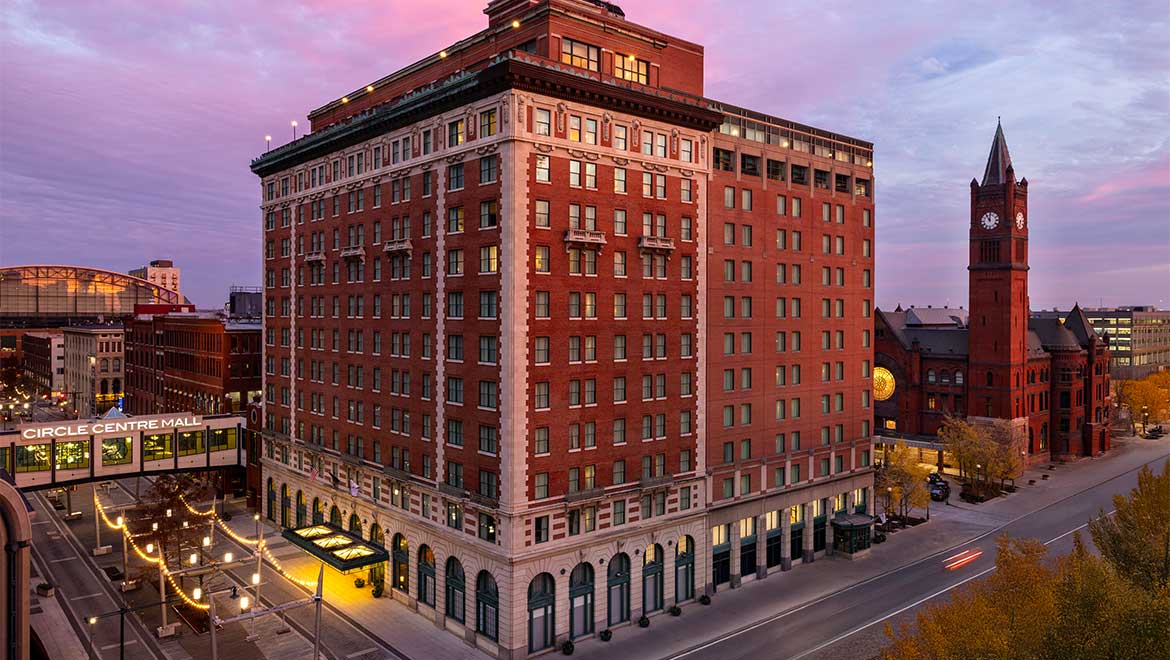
[837,609]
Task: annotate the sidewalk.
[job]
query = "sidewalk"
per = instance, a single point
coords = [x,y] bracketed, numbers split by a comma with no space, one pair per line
[949,526]
[411,633]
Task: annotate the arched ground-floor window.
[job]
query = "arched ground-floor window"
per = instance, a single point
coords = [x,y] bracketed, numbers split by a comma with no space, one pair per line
[487,606]
[652,579]
[541,612]
[684,570]
[377,573]
[455,590]
[426,575]
[618,589]
[581,600]
[400,558]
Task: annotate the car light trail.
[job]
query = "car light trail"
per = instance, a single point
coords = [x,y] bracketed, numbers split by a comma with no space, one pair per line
[962,559]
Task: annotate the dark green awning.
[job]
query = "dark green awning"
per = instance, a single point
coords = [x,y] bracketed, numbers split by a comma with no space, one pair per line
[342,550]
[852,521]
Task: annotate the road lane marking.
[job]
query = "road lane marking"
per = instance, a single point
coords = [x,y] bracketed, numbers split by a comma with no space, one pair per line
[923,600]
[63,559]
[95,595]
[107,647]
[363,652]
[963,558]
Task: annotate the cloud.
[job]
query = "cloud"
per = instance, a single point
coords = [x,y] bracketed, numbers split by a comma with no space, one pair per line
[127,126]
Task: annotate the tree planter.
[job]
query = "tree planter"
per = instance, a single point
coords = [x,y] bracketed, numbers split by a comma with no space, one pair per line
[705,599]
[644,622]
[359,582]
[567,648]
[606,635]
[45,590]
[675,610]
[378,590]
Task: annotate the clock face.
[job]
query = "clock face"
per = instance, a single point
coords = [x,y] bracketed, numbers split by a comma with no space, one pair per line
[1019,219]
[989,220]
[883,383]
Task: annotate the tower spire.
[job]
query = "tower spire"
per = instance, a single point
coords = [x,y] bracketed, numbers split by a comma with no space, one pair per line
[998,160]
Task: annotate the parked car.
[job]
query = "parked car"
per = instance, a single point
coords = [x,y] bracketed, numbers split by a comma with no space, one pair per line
[939,490]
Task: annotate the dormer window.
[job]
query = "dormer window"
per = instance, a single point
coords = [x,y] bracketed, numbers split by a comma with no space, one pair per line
[628,67]
[580,54]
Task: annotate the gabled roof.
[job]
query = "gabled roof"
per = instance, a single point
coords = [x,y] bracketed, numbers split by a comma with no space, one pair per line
[1035,346]
[939,331]
[939,342]
[1053,334]
[999,160]
[1079,325]
[936,316]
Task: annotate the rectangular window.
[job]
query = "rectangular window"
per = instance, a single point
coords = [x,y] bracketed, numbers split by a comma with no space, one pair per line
[576,53]
[629,67]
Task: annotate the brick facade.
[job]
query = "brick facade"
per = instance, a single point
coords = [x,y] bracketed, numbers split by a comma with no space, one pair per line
[494,307]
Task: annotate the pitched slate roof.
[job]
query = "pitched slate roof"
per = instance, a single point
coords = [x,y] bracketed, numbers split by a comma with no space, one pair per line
[939,331]
[999,160]
[1053,334]
[936,316]
[1079,325]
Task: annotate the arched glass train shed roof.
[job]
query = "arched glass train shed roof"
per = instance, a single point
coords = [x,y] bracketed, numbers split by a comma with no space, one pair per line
[66,294]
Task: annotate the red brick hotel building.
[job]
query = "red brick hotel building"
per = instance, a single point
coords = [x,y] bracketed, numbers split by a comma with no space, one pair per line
[586,343]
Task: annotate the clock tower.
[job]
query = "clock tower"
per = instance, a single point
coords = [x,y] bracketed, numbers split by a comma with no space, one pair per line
[998,289]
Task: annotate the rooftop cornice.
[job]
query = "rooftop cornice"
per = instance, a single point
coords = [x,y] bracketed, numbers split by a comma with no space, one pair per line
[510,70]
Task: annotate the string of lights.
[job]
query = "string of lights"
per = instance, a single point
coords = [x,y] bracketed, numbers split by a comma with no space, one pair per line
[182,594]
[106,518]
[196,512]
[280,569]
[259,543]
[228,530]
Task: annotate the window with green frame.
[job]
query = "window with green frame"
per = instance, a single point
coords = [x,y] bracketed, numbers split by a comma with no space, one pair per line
[190,443]
[5,458]
[73,455]
[221,439]
[158,447]
[32,458]
[117,451]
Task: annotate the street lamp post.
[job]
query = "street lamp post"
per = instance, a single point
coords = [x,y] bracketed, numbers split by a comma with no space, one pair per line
[256,575]
[121,613]
[98,548]
[258,611]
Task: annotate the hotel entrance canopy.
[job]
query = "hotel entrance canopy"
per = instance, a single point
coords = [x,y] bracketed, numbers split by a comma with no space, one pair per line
[344,551]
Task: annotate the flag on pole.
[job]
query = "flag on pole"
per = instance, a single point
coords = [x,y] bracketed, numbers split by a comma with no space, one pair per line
[354,489]
[313,474]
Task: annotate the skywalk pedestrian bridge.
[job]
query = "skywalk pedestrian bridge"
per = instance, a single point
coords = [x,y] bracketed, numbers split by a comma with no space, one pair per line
[64,453]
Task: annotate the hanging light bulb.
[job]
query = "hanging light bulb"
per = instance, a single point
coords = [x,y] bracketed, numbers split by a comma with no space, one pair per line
[194,558]
[206,541]
[121,521]
[197,594]
[244,603]
[227,557]
[255,578]
[149,548]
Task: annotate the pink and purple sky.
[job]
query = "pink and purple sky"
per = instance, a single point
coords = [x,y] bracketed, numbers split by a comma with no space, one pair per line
[126,127]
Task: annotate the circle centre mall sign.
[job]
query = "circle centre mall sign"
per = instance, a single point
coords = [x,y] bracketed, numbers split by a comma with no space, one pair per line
[116,425]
